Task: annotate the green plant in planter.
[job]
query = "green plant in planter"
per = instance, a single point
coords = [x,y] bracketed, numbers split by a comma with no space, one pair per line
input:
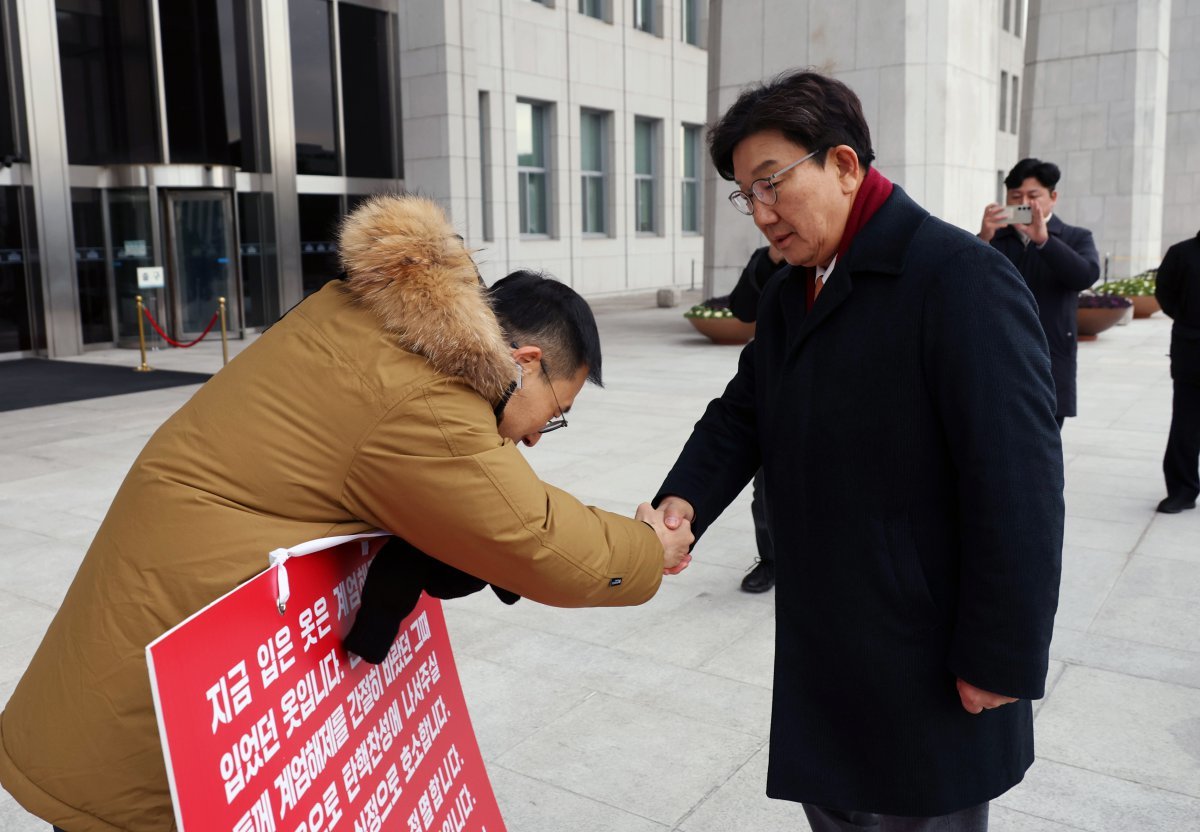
[1137,286]
[711,308]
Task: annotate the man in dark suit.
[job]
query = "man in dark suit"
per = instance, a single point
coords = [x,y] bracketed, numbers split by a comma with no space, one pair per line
[898,397]
[1178,292]
[1057,261]
[743,303]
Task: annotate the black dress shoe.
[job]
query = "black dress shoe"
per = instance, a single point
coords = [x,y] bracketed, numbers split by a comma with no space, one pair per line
[1174,505]
[761,577]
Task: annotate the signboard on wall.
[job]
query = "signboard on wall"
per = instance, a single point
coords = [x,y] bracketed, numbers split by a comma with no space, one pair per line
[268,724]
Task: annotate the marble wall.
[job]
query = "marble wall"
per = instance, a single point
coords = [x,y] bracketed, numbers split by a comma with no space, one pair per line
[1098,71]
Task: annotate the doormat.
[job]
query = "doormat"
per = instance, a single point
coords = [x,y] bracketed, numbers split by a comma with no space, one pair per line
[36,382]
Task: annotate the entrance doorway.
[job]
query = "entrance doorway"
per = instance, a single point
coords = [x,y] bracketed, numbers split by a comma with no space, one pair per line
[202,262]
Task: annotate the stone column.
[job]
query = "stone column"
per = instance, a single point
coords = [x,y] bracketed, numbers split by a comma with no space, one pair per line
[927,72]
[1098,72]
[1181,202]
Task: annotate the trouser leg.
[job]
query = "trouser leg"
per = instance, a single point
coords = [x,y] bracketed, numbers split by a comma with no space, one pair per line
[820,819]
[1181,462]
[758,510]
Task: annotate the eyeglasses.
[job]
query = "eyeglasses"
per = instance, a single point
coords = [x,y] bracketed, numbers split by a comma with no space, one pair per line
[764,189]
[561,420]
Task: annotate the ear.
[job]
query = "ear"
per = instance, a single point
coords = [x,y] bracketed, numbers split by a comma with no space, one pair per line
[849,171]
[1053,197]
[527,355]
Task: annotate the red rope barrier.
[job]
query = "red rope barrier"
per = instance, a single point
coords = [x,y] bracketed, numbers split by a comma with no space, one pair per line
[171,340]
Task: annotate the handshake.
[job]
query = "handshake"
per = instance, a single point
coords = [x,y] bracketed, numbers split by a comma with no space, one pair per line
[672,522]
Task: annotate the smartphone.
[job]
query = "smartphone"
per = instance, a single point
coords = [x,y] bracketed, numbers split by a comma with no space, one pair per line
[1020,214]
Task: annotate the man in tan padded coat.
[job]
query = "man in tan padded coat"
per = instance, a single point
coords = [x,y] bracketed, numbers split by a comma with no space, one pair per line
[390,399]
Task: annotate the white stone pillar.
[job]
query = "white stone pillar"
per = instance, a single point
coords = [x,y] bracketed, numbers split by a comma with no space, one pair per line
[927,73]
[1181,197]
[1098,71]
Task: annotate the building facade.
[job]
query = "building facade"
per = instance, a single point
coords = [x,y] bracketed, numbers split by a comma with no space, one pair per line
[223,140]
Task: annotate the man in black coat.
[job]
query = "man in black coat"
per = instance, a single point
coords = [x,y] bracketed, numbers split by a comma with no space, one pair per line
[898,396]
[1178,292]
[1057,261]
[743,303]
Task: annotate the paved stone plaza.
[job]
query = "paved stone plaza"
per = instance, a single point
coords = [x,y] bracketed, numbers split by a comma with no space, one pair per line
[656,718]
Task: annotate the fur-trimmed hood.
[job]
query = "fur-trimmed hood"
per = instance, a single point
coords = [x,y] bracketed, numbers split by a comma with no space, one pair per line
[405,262]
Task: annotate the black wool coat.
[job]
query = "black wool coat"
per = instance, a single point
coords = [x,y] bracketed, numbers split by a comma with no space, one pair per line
[1178,292]
[1056,274]
[743,300]
[914,480]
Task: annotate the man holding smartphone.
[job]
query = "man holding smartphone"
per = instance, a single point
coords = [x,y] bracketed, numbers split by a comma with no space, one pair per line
[1057,261]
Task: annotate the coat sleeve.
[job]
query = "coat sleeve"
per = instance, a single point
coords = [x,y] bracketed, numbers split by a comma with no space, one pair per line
[1168,283]
[722,453]
[435,472]
[1074,265]
[989,370]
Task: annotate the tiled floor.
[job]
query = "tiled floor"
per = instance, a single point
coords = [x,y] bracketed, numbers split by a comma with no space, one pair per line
[655,718]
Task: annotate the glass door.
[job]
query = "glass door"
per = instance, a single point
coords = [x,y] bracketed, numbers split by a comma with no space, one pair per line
[202,263]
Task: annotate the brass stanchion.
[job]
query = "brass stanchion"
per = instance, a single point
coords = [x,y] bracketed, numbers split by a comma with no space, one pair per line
[224,339]
[144,367]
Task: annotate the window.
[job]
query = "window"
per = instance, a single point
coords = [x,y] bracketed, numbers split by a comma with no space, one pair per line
[485,164]
[209,77]
[644,141]
[643,16]
[319,216]
[131,241]
[9,146]
[1016,107]
[1019,18]
[91,269]
[593,8]
[593,131]
[260,273]
[108,82]
[310,24]
[1003,99]
[366,91]
[16,332]
[691,22]
[689,176]
[533,184]
[1005,15]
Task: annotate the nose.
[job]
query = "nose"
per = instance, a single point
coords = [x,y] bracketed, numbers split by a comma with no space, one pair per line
[532,439]
[763,215]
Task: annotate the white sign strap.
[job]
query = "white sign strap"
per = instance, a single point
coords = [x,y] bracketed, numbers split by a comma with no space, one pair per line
[279,557]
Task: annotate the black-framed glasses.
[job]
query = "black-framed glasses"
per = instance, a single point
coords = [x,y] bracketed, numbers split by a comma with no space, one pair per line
[764,189]
[559,421]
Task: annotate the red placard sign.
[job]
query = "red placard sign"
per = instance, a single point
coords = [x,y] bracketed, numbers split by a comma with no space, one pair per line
[267,723]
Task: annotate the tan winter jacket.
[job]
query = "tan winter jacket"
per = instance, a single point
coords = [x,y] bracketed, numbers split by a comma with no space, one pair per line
[367,406]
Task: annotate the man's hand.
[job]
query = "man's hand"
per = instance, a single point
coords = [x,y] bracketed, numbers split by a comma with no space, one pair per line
[1036,231]
[976,700]
[676,541]
[675,511]
[993,220]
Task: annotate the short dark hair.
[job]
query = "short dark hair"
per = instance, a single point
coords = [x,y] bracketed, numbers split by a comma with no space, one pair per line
[1045,172]
[533,308]
[812,110]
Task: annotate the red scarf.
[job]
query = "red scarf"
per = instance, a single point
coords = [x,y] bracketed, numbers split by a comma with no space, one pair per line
[873,192]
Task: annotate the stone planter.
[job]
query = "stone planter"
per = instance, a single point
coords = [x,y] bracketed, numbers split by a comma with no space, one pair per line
[1094,321]
[1145,305]
[724,330]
